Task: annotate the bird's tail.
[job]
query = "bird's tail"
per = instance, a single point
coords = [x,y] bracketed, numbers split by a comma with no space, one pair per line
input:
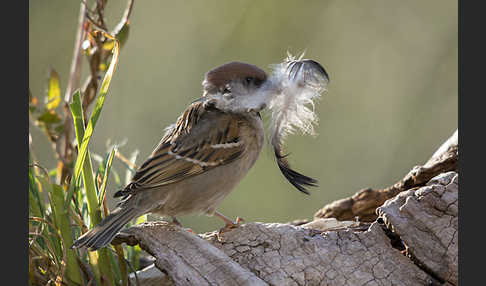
[105,231]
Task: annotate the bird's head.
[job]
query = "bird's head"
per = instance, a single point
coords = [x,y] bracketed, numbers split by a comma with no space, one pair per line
[235,87]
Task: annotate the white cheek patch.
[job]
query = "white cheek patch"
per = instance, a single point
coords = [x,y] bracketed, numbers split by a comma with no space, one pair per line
[242,103]
[289,94]
[249,104]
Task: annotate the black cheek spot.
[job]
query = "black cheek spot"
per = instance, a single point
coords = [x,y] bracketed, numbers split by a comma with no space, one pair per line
[258,82]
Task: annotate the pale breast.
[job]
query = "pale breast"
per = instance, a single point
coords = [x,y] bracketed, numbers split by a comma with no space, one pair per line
[204,192]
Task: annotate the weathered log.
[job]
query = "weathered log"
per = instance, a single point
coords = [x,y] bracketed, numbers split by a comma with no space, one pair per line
[363,204]
[185,257]
[414,241]
[427,221]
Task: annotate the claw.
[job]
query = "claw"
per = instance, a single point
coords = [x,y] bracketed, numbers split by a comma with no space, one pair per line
[229,225]
[176,221]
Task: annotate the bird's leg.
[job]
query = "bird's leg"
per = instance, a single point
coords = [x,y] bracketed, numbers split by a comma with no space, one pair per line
[179,224]
[176,221]
[229,224]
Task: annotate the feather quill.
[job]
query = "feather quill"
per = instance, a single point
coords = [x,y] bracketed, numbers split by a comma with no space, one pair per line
[296,84]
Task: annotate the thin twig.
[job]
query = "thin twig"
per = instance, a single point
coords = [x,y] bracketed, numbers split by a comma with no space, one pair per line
[100,8]
[43,169]
[48,244]
[128,10]
[75,74]
[87,9]
[125,160]
[73,83]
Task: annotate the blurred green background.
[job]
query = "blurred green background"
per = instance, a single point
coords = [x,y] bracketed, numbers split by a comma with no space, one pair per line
[391,102]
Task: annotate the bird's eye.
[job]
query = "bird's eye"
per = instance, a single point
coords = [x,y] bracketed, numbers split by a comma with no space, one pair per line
[257,82]
[248,80]
[227,89]
[227,92]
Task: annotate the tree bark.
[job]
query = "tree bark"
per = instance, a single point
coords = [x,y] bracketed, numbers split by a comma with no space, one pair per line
[412,241]
[363,204]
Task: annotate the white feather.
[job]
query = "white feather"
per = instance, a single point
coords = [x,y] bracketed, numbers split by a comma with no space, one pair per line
[293,98]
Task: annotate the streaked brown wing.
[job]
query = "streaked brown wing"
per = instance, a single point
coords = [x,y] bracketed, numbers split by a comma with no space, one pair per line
[187,151]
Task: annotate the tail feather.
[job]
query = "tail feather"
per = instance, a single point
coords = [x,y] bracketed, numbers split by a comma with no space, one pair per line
[298,180]
[104,232]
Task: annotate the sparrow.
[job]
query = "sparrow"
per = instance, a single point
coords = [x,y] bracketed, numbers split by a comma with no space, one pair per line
[202,157]
[199,160]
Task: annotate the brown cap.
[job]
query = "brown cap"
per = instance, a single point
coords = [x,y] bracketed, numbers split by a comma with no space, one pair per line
[221,75]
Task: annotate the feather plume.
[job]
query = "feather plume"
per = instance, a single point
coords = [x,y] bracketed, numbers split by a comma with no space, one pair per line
[296,84]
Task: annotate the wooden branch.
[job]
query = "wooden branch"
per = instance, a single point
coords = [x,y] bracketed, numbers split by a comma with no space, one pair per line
[427,221]
[363,204]
[323,252]
[414,241]
[185,257]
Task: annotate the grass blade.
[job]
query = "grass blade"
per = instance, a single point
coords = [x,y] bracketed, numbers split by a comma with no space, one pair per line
[121,262]
[101,264]
[64,227]
[83,145]
[83,161]
[35,203]
[106,170]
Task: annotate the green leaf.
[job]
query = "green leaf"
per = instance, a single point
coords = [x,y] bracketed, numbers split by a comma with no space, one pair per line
[141,219]
[107,169]
[53,172]
[50,216]
[121,32]
[78,118]
[53,91]
[35,204]
[83,145]
[83,161]
[75,185]
[59,128]
[133,255]
[63,224]
[121,271]
[116,178]
[49,117]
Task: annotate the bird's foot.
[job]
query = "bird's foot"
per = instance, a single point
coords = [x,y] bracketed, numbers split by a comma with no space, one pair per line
[229,224]
[175,221]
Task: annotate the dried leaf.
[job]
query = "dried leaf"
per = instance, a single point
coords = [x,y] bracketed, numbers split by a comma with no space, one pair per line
[53,91]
